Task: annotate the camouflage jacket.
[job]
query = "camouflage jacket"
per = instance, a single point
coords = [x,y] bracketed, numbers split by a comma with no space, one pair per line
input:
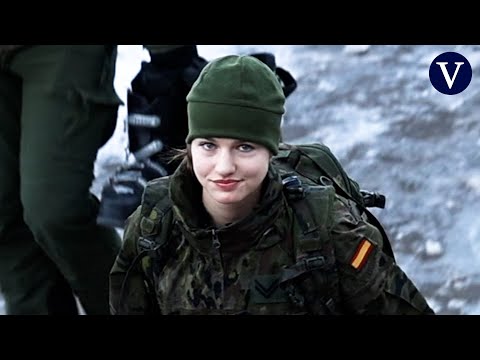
[235,269]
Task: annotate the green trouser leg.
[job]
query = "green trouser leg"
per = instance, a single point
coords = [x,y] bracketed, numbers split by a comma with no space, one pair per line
[20,255]
[57,108]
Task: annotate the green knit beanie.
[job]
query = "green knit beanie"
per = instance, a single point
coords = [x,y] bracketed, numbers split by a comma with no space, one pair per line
[237,97]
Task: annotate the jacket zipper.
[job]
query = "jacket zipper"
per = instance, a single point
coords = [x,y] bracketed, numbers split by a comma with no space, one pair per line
[215,242]
[217,246]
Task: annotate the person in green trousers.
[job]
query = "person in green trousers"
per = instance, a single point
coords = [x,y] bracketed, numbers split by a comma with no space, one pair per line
[58,106]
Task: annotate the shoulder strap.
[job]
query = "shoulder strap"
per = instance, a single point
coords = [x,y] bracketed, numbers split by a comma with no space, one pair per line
[157,217]
[151,258]
[155,228]
[313,280]
[315,162]
[323,159]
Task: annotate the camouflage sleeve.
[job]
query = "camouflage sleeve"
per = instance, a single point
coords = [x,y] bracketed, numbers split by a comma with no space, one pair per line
[128,288]
[370,281]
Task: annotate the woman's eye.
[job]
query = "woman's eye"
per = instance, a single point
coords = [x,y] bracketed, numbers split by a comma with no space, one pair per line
[246,147]
[207,146]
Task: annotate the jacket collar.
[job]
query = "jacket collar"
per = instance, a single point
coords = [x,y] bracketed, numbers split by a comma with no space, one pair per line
[251,231]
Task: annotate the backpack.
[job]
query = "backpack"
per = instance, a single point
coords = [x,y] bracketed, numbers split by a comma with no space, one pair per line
[311,176]
[316,164]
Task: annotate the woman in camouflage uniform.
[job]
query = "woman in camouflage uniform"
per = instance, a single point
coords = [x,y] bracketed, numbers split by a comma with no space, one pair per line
[221,236]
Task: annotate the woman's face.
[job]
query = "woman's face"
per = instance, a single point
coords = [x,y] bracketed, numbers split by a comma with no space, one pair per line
[230,171]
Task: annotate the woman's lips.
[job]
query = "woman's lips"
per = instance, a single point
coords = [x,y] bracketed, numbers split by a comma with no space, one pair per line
[227,185]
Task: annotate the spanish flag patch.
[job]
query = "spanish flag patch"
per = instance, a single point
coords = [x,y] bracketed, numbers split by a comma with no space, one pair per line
[361,254]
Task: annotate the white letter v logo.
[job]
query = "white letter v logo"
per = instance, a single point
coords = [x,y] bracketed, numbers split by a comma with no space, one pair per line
[445,72]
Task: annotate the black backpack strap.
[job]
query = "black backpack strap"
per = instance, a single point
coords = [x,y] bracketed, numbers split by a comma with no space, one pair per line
[312,281]
[387,246]
[153,306]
